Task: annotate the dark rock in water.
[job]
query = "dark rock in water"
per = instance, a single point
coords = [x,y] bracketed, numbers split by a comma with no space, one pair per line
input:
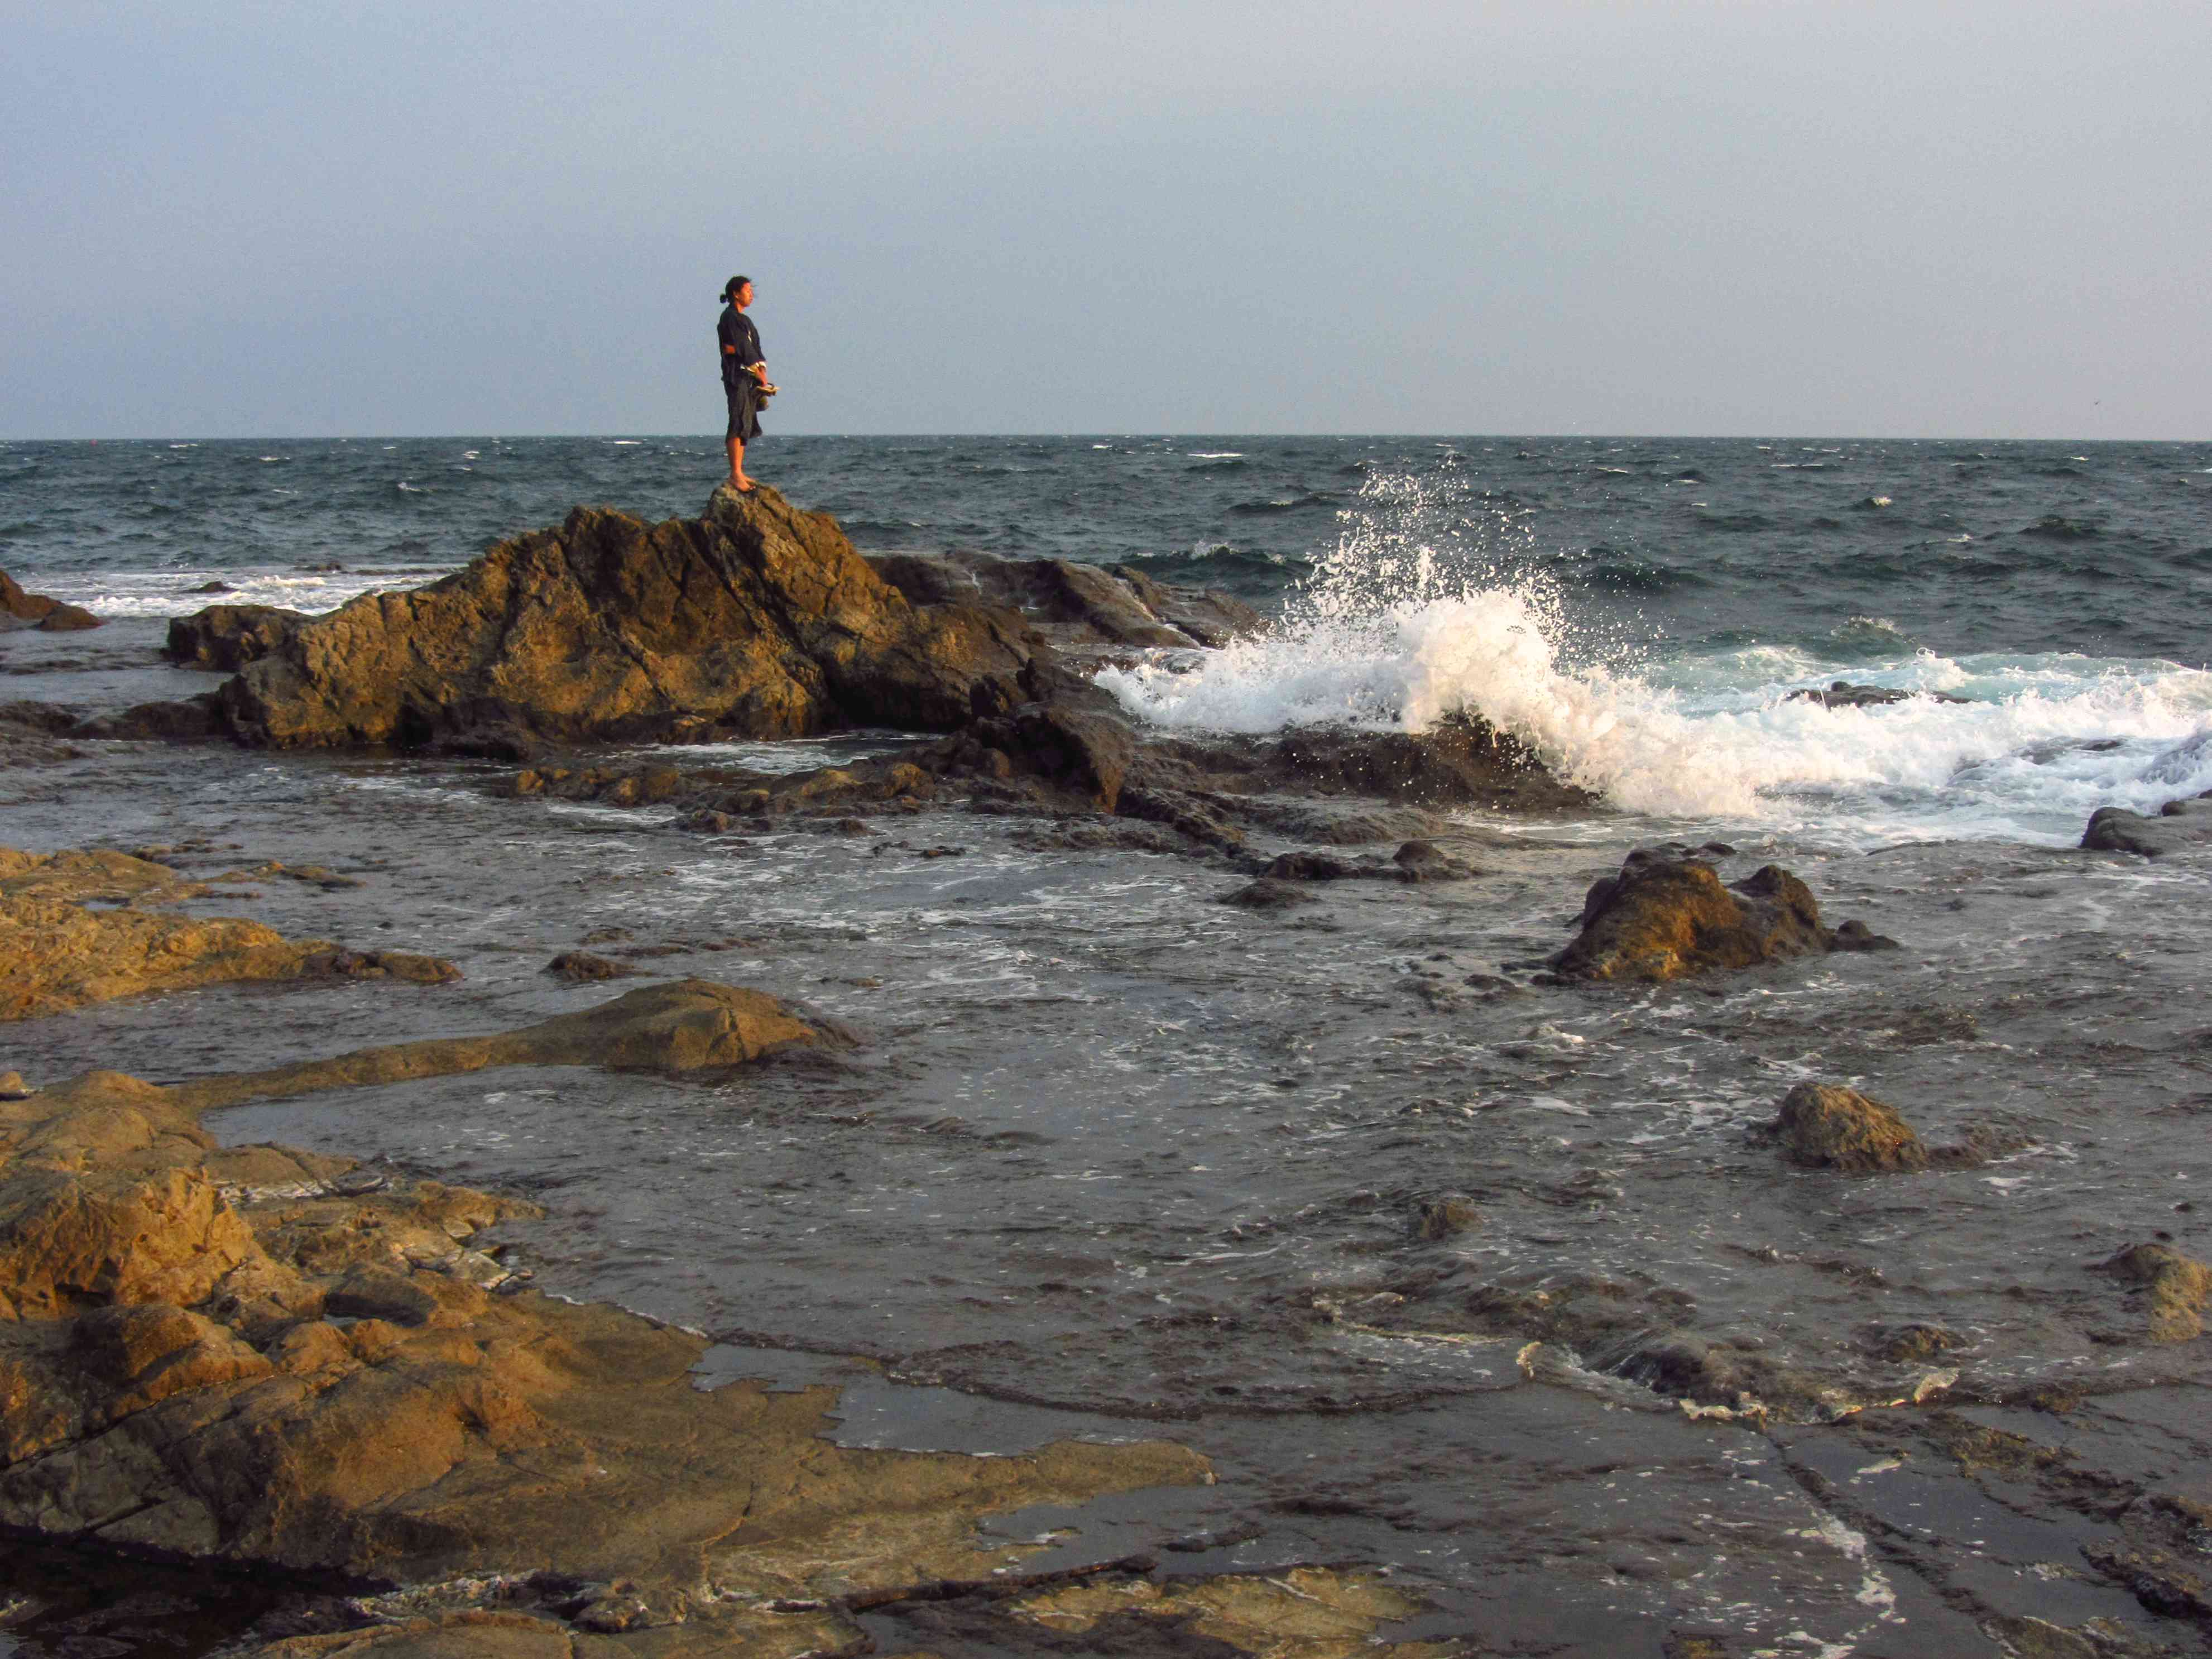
[1417,861]
[1856,935]
[1078,743]
[1845,695]
[407,965]
[1209,615]
[1201,819]
[1266,895]
[2179,824]
[1421,860]
[51,616]
[582,967]
[2175,1288]
[1438,1218]
[228,636]
[758,619]
[1826,1127]
[217,586]
[1460,760]
[1910,1344]
[192,720]
[1311,867]
[1664,917]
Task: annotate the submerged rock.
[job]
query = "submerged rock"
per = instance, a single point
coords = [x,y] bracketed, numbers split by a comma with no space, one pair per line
[757,619]
[1827,1127]
[50,616]
[1843,694]
[1664,917]
[2174,1288]
[1268,894]
[2179,824]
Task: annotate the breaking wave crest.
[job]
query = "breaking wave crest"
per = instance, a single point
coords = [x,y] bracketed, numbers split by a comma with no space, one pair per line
[1432,604]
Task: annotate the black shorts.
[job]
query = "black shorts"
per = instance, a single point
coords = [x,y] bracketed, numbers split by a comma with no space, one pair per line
[745,410]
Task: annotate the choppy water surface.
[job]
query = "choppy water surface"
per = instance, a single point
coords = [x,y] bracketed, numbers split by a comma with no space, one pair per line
[1119,1155]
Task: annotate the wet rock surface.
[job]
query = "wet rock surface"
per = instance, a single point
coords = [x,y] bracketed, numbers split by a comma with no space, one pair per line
[1844,694]
[1826,1127]
[1664,917]
[2180,825]
[57,952]
[21,610]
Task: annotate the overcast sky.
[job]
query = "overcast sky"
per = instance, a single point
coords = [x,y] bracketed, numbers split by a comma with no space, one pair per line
[1974,219]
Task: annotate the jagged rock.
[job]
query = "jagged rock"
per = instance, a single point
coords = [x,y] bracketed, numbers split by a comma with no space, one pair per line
[55,954]
[1461,760]
[226,637]
[1073,604]
[1662,917]
[1824,1127]
[2179,824]
[2175,1288]
[1078,742]
[51,616]
[758,619]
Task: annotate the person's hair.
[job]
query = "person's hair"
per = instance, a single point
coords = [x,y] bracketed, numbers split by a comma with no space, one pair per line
[730,289]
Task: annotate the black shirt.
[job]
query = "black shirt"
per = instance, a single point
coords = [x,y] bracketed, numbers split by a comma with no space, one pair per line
[736,329]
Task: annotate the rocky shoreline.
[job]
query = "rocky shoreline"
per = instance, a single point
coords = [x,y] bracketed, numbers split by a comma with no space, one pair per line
[271,1356]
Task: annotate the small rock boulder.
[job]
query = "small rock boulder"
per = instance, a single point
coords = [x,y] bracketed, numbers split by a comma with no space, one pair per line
[51,616]
[1436,1219]
[1664,917]
[2175,1288]
[1268,894]
[2179,824]
[226,637]
[1823,1127]
[583,967]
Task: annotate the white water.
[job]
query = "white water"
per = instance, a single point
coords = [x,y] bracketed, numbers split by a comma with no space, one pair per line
[1385,638]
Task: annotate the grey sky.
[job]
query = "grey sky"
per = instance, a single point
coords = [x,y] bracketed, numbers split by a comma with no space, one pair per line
[1975,219]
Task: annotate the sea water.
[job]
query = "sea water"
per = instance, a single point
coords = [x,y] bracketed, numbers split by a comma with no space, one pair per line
[1639,611]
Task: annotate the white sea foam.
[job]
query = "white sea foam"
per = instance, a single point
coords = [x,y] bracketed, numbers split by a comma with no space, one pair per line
[170,592]
[1397,632]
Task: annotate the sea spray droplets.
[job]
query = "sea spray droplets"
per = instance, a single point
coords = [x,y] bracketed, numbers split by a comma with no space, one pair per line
[1429,604]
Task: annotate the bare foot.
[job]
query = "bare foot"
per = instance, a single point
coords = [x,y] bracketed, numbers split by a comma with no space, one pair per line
[741,486]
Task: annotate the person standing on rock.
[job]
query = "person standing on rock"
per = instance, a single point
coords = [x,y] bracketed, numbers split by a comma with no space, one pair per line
[744,375]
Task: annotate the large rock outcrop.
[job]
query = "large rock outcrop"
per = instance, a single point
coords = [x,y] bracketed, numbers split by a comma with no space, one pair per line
[758,619]
[252,1355]
[1664,917]
[57,954]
